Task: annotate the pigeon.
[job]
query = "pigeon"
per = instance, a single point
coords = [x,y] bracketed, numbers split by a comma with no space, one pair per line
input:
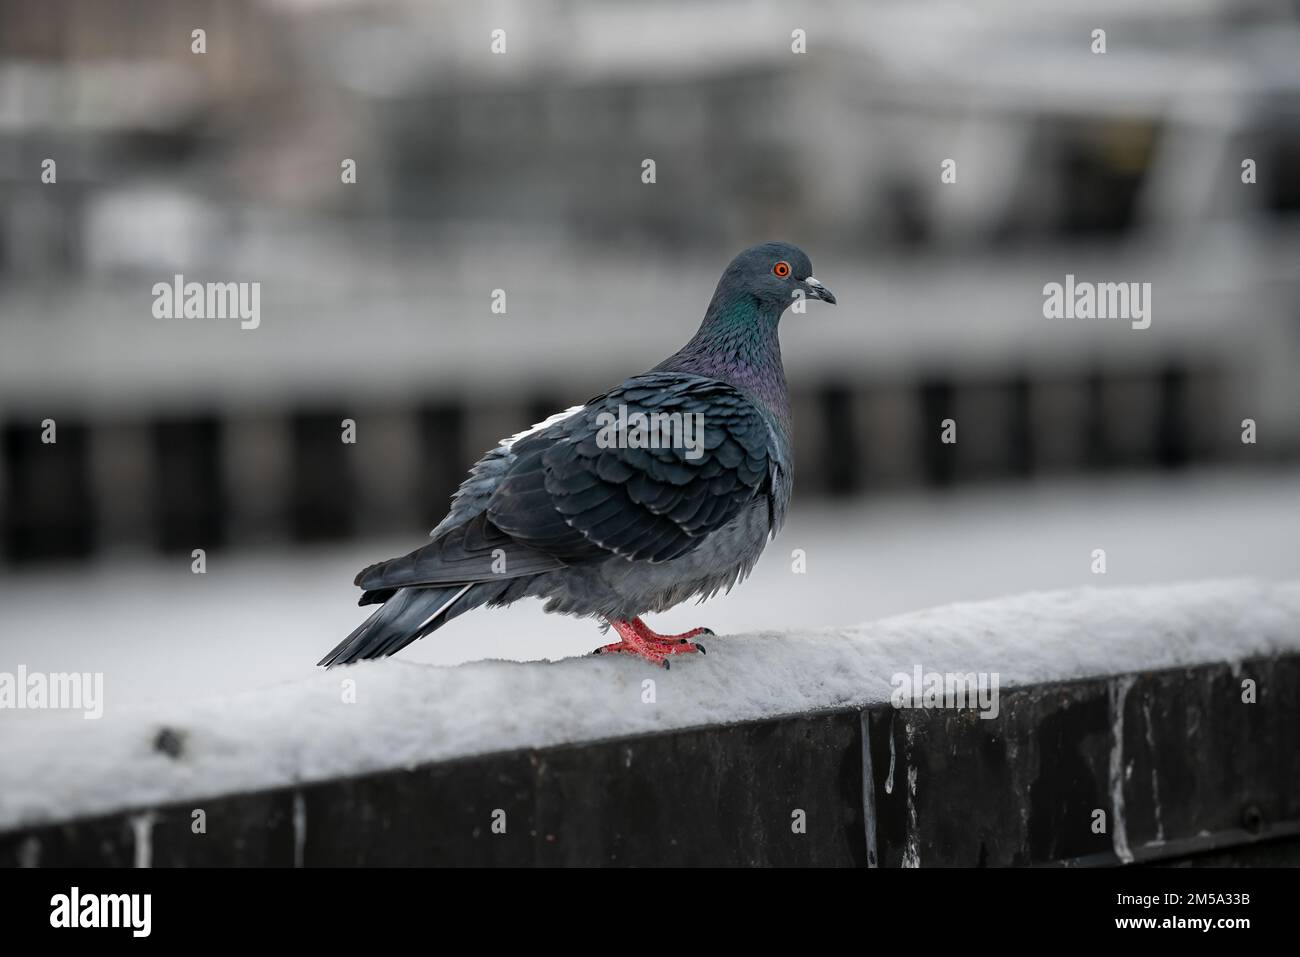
[665,488]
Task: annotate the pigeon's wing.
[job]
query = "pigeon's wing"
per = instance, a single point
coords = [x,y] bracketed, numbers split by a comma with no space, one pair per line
[466,547]
[476,551]
[581,490]
[569,491]
[472,498]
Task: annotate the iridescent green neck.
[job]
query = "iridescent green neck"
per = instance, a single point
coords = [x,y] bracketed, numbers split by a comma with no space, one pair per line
[737,343]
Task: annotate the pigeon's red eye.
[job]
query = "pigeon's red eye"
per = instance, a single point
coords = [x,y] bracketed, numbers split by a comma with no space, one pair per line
[781,269]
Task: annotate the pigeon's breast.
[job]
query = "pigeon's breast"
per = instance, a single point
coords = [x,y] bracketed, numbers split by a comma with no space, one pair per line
[619,588]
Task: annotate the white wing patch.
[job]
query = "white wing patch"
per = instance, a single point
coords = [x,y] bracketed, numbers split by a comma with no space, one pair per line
[473,494]
[447,604]
[547,423]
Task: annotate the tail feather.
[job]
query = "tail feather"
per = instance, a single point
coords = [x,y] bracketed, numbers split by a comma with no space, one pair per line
[409,614]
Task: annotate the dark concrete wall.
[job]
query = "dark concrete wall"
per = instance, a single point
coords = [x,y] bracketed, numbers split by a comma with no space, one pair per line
[1193,772]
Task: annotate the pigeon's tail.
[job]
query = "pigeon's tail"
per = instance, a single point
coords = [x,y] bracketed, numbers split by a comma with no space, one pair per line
[409,614]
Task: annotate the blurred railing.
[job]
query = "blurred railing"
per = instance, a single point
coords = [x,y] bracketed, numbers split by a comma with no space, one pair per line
[231,478]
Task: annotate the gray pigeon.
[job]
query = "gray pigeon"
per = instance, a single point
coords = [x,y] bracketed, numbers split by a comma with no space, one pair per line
[666,487]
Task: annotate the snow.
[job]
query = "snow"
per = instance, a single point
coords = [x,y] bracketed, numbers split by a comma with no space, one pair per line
[407,713]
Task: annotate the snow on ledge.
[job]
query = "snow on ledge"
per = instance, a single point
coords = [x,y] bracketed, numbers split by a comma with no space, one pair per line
[407,714]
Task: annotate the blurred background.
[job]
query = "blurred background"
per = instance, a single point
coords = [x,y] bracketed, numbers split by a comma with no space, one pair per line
[522,172]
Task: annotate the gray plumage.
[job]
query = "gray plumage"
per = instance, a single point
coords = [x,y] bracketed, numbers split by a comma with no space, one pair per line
[599,529]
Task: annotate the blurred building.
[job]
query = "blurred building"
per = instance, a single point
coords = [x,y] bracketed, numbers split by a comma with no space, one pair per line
[522,172]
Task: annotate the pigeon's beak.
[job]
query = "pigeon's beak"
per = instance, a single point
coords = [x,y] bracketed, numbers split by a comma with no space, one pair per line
[817,291]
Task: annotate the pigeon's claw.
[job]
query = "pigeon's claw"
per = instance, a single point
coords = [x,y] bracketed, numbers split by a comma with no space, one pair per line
[675,641]
[639,640]
[635,643]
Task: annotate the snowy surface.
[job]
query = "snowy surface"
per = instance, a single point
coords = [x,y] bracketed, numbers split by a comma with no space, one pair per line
[406,713]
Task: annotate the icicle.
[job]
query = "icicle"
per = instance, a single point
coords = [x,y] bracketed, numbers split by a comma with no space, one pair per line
[142,827]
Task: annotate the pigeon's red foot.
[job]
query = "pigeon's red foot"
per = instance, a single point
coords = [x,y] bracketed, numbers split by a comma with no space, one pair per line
[650,646]
[683,638]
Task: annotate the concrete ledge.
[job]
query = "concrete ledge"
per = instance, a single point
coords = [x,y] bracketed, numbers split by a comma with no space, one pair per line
[1126,702]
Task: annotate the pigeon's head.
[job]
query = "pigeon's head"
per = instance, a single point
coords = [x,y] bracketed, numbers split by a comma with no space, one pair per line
[775,274]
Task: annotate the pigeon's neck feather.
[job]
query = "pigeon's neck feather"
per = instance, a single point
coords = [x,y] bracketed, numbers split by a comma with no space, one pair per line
[737,343]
